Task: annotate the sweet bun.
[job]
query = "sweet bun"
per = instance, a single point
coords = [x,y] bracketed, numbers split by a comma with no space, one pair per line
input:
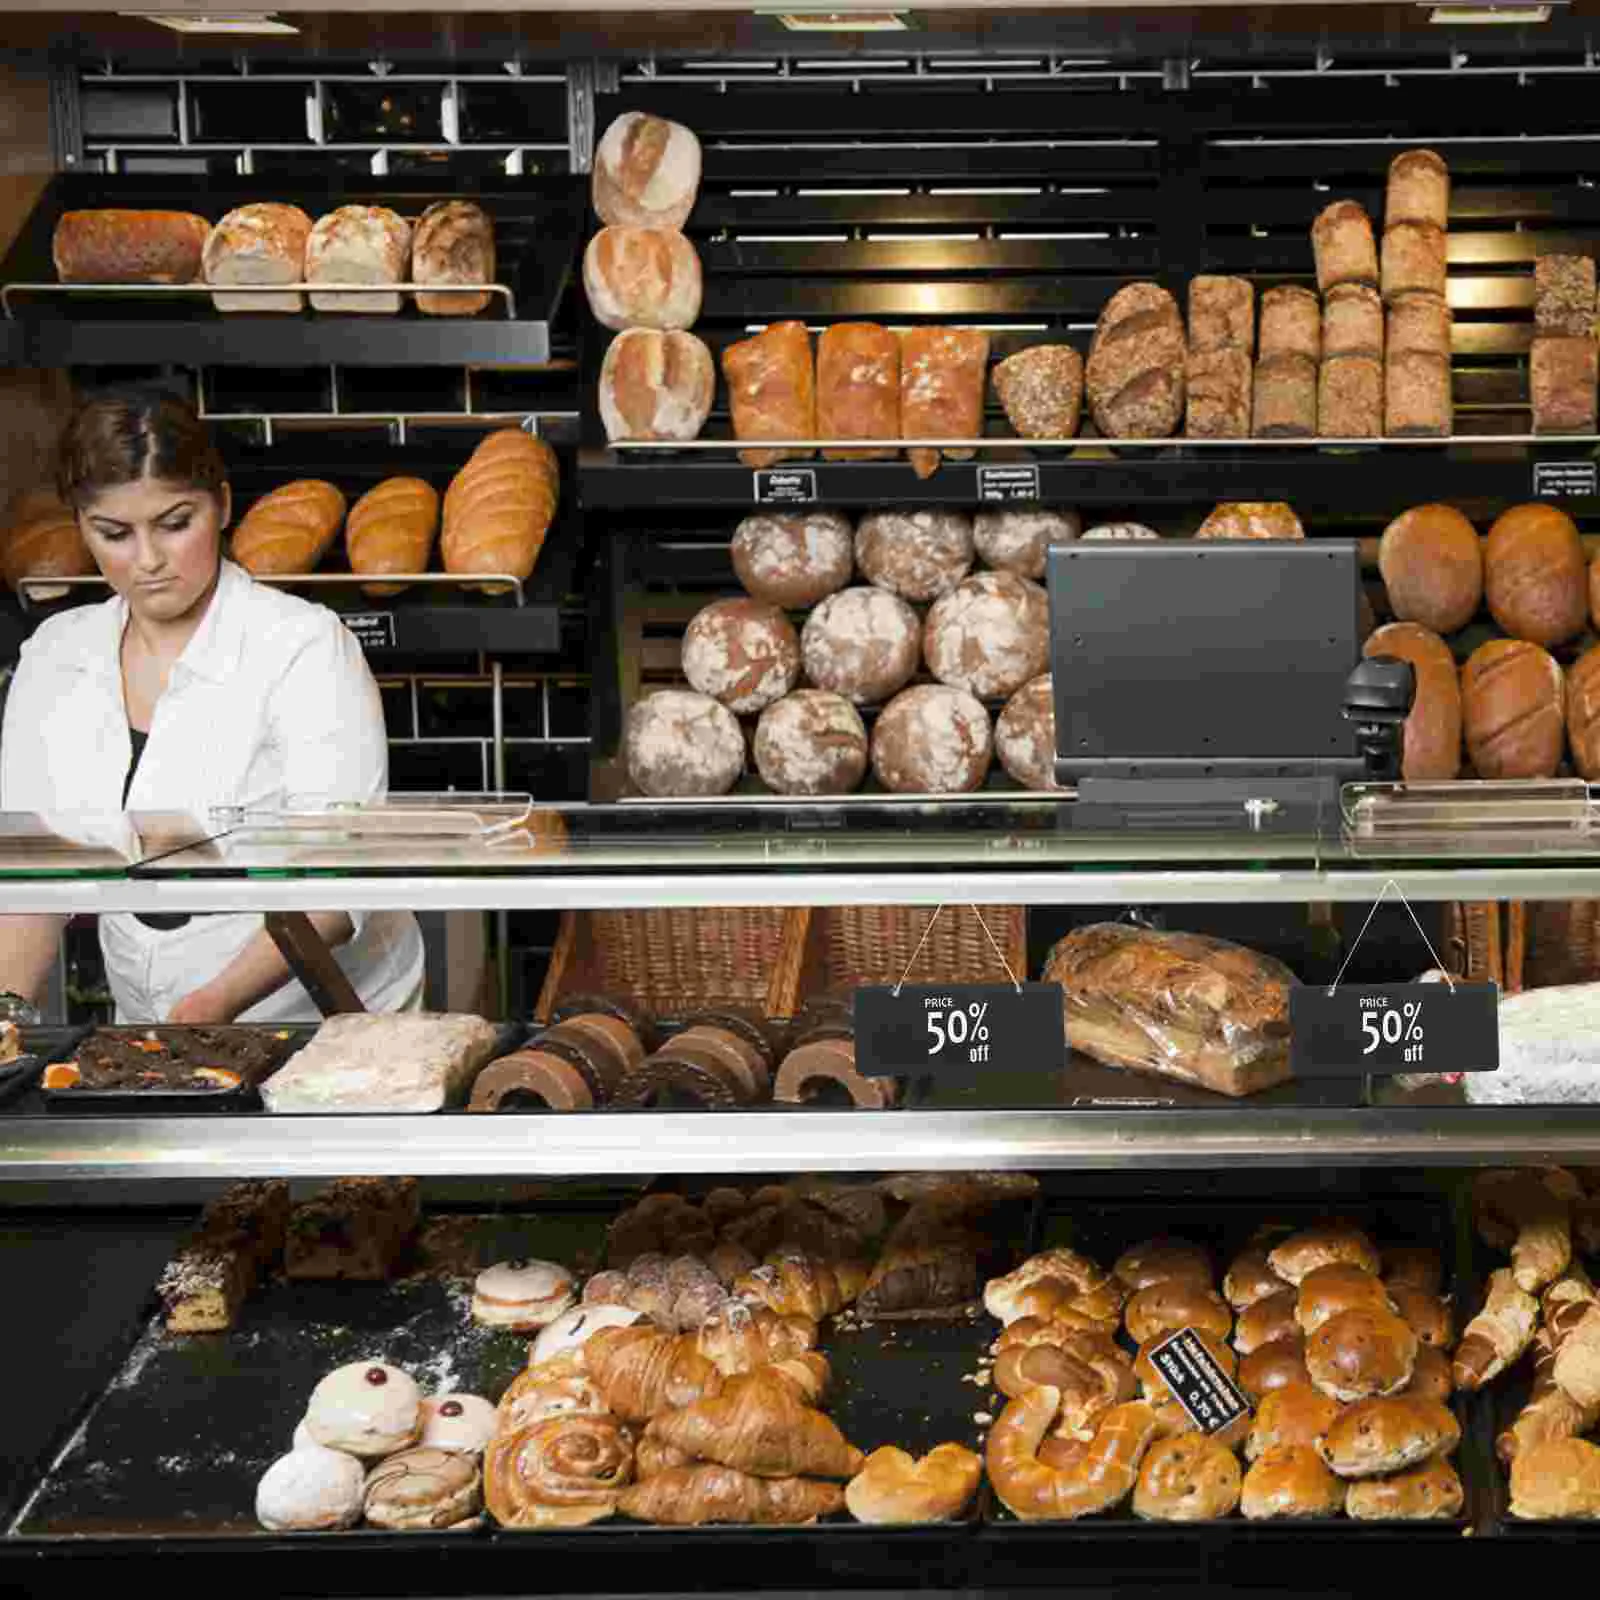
[310,1488]
[1337,1287]
[521,1295]
[1160,1260]
[1192,1478]
[1266,1320]
[1273,1366]
[896,1487]
[424,1488]
[1249,1278]
[365,1409]
[1166,1307]
[1431,1378]
[1513,710]
[1360,1354]
[1296,1414]
[1430,1492]
[1428,1314]
[1535,576]
[1432,566]
[1321,1246]
[575,1327]
[1379,1436]
[1558,1478]
[1291,1481]
[1431,746]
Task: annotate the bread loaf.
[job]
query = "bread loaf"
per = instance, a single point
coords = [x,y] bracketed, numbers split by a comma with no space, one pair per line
[1341,240]
[1419,189]
[646,172]
[1352,322]
[1583,713]
[1416,396]
[1222,314]
[499,506]
[1413,259]
[989,635]
[358,244]
[259,244]
[290,530]
[743,653]
[772,389]
[454,243]
[1534,574]
[1513,703]
[794,559]
[1350,398]
[1041,390]
[1218,395]
[932,739]
[113,246]
[1019,540]
[1432,566]
[1285,399]
[683,745]
[943,372]
[1420,323]
[42,540]
[1025,735]
[1563,296]
[1136,371]
[858,387]
[1291,323]
[1562,382]
[1251,519]
[862,643]
[811,742]
[656,385]
[642,278]
[391,529]
[918,555]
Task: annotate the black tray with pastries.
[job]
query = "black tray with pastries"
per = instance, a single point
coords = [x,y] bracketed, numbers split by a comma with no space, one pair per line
[40,1045]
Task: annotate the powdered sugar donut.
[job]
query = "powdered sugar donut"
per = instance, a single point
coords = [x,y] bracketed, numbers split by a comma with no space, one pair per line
[312,1488]
[1107,532]
[460,1423]
[682,743]
[862,643]
[811,742]
[301,1439]
[744,653]
[794,560]
[573,1329]
[522,1295]
[932,740]
[1025,735]
[989,635]
[1019,540]
[918,555]
[366,1409]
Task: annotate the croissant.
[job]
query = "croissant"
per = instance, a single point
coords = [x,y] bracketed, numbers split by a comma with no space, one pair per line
[1551,1413]
[689,1496]
[1498,1335]
[923,1274]
[1529,1213]
[1100,1474]
[641,1372]
[499,507]
[289,531]
[741,1337]
[562,1473]
[895,1486]
[799,1285]
[808,1374]
[651,1457]
[390,529]
[760,1424]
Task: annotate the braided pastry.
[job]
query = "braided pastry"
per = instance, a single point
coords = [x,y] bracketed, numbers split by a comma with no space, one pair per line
[560,1473]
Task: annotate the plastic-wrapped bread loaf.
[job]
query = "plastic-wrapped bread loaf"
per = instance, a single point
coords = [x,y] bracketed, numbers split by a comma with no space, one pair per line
[42,540]
[942,376]
[290,530]
[858,387]
[358,244]
[772,390]
[391,529]
[258,244]
[115,246]
[453,243]
[499,507]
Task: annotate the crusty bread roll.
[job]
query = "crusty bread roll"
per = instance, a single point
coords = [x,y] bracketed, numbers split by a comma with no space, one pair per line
[656,385]
[115,246]
[358,244]
[1513,703]
[646,172]
[259,244]
[1341,240]
[1138,364]
[499,506]
[772,390]
[1432,565]
[1535,576]
[42,540]
[391,529]
[943,373]
[642,278]
[453,243]
[858,387]
[1431,751]
[290,530]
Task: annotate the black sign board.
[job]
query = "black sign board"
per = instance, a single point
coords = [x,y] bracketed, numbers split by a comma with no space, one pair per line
[786,486]
[1382,1029]
[1566,480]
[374,629]
[1008,483]
[955,1030]
[1211,1399]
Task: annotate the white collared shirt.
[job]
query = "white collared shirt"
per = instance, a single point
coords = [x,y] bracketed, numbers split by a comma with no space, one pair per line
[271,700]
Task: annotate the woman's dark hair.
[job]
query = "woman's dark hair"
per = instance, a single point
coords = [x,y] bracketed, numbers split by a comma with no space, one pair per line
[120,438]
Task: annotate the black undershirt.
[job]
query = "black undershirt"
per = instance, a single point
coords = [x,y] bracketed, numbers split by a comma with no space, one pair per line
[159,921]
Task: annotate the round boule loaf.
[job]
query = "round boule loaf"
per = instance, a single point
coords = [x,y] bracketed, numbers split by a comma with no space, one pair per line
[1432,566]
[918,555]
[646,172]
[1019,541]
[1432,743]
[1119,532]
[1251,519]
[1513,706]
[1534,574]
[932,740]
[1137,364]
[1025,735]
[642,278]
[794,559]
[811,742]
[989,635]
[862,643]
[1583,713]
[683,744]
[744,653]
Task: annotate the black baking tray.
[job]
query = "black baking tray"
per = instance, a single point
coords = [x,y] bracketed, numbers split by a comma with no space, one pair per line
[41,1045]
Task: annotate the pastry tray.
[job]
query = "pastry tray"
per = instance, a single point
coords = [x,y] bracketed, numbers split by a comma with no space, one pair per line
[43,1044]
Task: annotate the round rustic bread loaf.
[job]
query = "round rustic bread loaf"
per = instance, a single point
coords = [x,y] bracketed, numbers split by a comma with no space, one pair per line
[744,653]
[1513,703]
[642,278]
[1019,541]
[1251,519]
[918,555]
[862,643]
[1583,713]
[1534,576]
[1137,364]
[1432,746]
[811,742]
[683,744]
[646,172]
[1432,566]
[989,635]
[794,559]
[932,740]
[656,385]
[1025,735]
[1119,532]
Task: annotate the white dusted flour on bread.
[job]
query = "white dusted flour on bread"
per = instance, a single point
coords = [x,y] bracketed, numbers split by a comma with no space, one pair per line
[744,653]
[794,559]
[1019,540]
[989,635]
[646,172]
[811,742]
[918,555]
[932,740]
[258,244]
[680,743]
[642,278]
[656,385]
[1549,1049]
[862,643]
[358,244]
[1119,532]
[1025,735]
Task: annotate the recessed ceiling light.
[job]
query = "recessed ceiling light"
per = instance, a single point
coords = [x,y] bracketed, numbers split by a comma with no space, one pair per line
[1479,16]
[842,21]
[261,23]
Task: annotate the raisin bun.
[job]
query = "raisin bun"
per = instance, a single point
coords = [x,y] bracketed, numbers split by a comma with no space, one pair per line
[1025,735]
[932,739]
[1291,1481]
[862,643]
[683,744]
[794,560]
[989,635]
[811,742]
[743,653]
[918,555]
[1019,540]
[1360,1354]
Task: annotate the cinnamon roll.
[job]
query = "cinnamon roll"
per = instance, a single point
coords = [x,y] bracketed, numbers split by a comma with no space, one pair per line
[559,1473]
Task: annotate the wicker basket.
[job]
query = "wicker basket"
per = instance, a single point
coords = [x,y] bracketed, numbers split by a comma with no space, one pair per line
[673,962]
[1486,942]
[1523,944]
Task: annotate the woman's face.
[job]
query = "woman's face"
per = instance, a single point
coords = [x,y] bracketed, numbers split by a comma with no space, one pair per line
[157,544]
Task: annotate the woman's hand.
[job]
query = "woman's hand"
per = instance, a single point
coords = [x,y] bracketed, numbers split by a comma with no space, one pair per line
[202,1005]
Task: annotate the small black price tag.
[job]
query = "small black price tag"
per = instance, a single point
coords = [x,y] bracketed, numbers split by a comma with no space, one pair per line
[1566,480]
[1008,483]
[1382,1029]
[786,486]
[1206,1393]
[956,1030]
[374,629]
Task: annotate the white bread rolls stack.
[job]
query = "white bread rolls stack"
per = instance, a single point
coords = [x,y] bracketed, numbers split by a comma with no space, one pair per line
[642,278]
[646,172]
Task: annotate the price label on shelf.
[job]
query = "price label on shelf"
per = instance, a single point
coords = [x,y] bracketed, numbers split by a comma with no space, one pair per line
[1383,1029]
[1207,1394]
[373,629]
[1566,480]
[1008,483]
[955,1030]
[786,486]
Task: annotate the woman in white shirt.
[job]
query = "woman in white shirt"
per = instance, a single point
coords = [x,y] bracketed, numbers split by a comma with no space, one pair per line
[192,687]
